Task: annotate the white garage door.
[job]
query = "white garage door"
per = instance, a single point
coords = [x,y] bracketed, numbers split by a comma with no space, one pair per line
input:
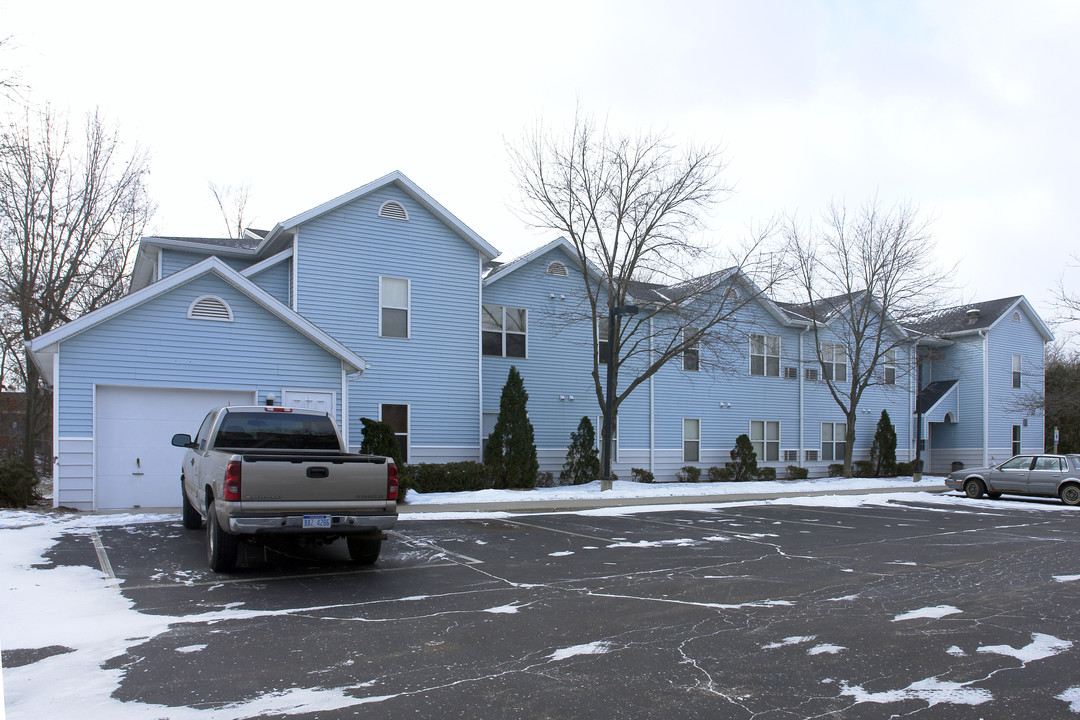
[136,466]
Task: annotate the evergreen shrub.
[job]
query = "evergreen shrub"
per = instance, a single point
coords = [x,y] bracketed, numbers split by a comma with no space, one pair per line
[642,475]
[582,458]
[510,455]
[448,477]
[794,472]
[379,439]
[836,470]
[688,474]
[766,473]
[18,484]
[719,474]
[743,465]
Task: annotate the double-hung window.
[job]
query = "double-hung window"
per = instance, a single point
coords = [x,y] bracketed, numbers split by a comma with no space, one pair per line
[834,361]
[602,340]
[765,355]
[833,441]
[889,366]
[691,353]
[503,331]
[393,307]
[1017,435]
[765,437]
[1017,370]
[691,439]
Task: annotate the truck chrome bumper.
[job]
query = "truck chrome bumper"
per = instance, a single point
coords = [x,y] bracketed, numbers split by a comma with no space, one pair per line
[339,524]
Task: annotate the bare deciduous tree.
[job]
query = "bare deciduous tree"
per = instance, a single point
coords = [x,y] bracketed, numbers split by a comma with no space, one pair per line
[71,211]
[634,209]
[232,201]
[856,274]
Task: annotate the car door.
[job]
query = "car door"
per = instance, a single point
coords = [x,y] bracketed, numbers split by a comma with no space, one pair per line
[1011,476]
[1046,474]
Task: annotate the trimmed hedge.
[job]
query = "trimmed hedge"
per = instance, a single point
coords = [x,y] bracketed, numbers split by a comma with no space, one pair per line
[688,474]
[719,474]
[642,475]
[448,477]
[794,472]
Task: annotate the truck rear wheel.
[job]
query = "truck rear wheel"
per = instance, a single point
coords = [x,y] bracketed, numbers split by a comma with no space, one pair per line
[221,547]
[364,551]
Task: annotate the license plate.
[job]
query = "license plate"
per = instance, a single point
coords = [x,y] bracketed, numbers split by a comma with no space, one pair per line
[317,521]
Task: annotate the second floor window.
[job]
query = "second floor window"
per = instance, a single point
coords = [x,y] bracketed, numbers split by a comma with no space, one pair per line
[393,307]
[889,362]
[834,361]
[1017,370]
[691,355]
[602,341]
[765,355]
[504,331]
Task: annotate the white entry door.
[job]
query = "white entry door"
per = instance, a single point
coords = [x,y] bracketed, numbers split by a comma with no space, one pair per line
[135,466]
[312,400]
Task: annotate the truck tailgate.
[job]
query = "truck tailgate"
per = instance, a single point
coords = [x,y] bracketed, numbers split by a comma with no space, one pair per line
[312,480]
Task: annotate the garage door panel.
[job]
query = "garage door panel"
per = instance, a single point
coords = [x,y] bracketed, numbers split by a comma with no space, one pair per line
[135,464]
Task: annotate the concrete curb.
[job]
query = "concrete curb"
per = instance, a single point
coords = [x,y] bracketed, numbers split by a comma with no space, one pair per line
[552,506]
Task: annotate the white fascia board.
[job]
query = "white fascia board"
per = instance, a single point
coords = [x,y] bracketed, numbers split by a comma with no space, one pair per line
[180,244]
[397,178]
[48,344]
[533,254]
[267,263]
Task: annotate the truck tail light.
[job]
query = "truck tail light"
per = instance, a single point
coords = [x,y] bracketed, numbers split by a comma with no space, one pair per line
[391,481]
[232,481]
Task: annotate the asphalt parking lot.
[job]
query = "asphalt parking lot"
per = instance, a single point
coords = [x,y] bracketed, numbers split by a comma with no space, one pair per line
[964,610]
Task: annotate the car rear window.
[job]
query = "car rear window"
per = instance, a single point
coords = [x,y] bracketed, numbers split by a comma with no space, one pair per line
[276,431]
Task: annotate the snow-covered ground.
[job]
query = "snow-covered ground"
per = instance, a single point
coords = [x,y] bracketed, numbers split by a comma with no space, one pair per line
[626,489]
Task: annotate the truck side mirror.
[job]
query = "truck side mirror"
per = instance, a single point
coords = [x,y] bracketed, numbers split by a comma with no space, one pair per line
[182,440]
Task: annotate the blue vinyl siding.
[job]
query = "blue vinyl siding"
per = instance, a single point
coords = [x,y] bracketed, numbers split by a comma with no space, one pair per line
[155,344]
[1007,406]
[276,280]
[340,257]
[173,261]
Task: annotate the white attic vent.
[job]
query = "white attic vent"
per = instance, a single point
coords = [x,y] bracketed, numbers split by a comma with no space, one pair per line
[557,268]
[393,210]
[210,307]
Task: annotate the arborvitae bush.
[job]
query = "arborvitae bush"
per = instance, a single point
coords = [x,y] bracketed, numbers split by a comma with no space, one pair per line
[883,448]
[794,472]
[510,455]
[582,458]
[379,439]
[18,484]
[743,465]
[642,475]
[688,474]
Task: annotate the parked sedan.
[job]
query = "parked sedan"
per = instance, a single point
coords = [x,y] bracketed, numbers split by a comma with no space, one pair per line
[1042,475]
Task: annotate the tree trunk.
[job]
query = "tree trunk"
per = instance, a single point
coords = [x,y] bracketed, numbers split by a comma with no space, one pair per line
[849,442]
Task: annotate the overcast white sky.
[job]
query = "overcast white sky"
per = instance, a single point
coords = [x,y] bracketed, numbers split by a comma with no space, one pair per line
[968,109]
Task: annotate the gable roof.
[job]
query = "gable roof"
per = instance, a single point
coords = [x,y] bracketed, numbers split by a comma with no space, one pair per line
[972,318]
[825,309]
[398,179]
[43,347]
[496,271]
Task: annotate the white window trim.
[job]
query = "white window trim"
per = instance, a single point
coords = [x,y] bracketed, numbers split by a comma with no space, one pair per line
[503,331]
[1016,377]
[833,442]
[888,363]
[698,440]
[831,363]
[765,442]
[696,348]
[407,308]
[765,355]
[215,298]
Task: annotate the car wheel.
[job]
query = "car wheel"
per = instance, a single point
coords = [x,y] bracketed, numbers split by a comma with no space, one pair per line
[1070,494]
[192,519]
[364,551]
[993,495]
[974,488]
[221,547]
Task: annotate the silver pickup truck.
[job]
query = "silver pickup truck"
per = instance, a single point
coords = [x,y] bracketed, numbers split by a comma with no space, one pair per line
[262,472]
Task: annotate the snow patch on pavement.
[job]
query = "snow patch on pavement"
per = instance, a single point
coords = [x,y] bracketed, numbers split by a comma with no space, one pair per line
[937,611]
[1041,647]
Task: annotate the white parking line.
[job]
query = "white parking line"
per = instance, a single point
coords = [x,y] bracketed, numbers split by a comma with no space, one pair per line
[103,560]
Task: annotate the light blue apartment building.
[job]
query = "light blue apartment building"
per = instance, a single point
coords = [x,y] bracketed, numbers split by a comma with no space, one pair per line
[382,304]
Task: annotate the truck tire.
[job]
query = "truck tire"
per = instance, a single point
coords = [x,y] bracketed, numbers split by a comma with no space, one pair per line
[221,547]
[192,519]
[364,551]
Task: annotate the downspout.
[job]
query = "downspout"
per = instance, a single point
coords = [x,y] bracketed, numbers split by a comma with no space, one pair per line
[480,358]
[802,407]
[652,405]
[986,398]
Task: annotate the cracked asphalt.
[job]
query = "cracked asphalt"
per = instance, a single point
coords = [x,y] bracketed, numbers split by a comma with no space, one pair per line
[937,608]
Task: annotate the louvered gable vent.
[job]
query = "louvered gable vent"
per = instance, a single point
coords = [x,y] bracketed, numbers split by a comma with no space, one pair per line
[393,210]
[556,268]
[210,307]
